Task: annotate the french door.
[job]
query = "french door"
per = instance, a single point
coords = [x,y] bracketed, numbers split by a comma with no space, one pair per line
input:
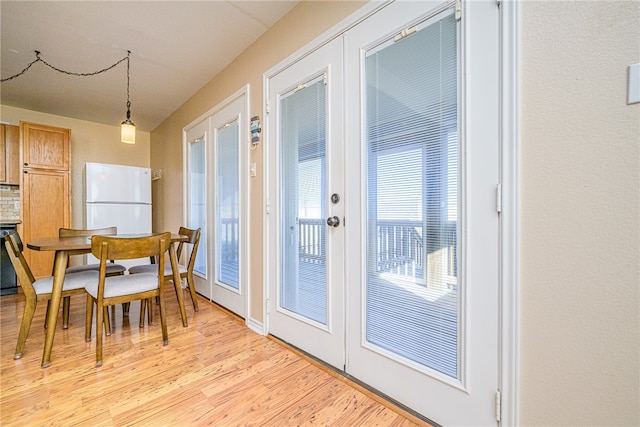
[306,293]
[216,163]
[410,248]
[227,132]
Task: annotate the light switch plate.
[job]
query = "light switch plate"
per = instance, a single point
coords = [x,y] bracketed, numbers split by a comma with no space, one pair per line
[634,84]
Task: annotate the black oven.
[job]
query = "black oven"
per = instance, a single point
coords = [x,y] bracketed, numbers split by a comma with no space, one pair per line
[8,283]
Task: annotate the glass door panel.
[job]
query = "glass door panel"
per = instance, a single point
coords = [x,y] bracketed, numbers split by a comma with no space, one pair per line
[412,154]
[197,200]
[303,288]
[228,204]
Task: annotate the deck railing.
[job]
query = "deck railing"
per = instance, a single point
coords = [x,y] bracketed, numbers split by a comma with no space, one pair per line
[400,246]
[228,234]
[312,240]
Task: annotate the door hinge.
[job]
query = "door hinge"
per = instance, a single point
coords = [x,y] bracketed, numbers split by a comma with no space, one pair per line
[499,198]
[266,107]
[325,78]
[499,3]
[268,306]
[458,10]
[498,405]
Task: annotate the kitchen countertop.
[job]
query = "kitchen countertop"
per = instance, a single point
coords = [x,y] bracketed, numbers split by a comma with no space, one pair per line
[10,222]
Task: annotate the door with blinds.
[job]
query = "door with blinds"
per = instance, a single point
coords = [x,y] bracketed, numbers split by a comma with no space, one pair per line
[216,183]
[306,207]
[228,129]
[418,240]
[423,127]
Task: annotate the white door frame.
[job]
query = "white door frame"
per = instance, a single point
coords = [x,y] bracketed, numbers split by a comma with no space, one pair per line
[510,210]
[509,202]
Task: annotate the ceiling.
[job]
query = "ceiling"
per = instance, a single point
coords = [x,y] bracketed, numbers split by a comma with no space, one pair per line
[176,48]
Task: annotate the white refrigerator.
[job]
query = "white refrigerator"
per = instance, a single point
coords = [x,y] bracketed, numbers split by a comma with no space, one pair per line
[118,195]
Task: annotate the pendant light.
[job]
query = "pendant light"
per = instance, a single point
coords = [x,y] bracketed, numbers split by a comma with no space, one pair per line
[127,128]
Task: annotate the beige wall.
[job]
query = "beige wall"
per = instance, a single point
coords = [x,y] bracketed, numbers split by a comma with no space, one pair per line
[580,172]
[90,142]
[305,22]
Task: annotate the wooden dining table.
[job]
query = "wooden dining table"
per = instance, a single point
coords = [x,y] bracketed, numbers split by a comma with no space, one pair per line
[64,247]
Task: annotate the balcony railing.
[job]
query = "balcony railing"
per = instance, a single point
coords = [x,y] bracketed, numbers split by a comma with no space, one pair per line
[400,246]
[312,240]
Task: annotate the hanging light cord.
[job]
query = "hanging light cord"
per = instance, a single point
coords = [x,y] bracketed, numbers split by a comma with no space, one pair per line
[38,59]
[128,102]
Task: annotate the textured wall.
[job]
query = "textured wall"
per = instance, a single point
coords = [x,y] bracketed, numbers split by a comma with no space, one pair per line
[580,214]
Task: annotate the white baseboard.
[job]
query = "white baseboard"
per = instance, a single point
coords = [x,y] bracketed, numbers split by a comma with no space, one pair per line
[255,326]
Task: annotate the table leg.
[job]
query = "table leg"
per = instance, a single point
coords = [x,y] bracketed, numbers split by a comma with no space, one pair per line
[177,283]
[59,268]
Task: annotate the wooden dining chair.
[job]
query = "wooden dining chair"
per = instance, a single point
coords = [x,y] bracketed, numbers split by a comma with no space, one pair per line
[113,269]
[40,290]
[113,290]
[186,272]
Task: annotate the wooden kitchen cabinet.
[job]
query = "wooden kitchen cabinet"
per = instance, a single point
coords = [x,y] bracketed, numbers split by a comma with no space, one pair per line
[10,150]
[45,189]
[45,147]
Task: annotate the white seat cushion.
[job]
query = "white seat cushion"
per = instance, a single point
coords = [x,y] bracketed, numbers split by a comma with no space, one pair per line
[111,268]
[71,281]
[153,268]
[124,285]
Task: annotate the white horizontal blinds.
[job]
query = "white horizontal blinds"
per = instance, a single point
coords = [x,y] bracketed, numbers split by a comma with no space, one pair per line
[303,285]
[197,199]
[228,204]
[412,178]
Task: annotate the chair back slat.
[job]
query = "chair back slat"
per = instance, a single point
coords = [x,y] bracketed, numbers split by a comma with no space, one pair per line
[193,239]
[75,232]
[130,247]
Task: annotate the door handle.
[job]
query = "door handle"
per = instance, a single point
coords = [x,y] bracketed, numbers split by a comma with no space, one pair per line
[333,221]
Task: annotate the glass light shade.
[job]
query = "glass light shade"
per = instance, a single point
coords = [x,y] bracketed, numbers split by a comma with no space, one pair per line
[128,132]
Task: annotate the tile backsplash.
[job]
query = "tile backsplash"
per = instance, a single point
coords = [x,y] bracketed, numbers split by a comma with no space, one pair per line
[9,203]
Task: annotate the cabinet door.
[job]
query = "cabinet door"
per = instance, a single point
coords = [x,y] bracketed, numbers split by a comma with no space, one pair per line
[12,150]
[3,153]
[45,208]
[45,147]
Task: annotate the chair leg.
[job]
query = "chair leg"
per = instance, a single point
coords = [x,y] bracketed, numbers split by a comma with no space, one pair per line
[99,320]
[163,322]
[46,314]
[66,302]
[88,318]
[143,307]
[107,321]
[150,313]
[125,308]
[25,325]
[192,291]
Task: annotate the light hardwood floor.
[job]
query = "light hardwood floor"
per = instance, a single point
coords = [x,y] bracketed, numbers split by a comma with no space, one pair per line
[214,372]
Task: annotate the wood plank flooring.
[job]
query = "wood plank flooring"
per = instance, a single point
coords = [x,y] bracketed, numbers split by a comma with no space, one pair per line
[214,372]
